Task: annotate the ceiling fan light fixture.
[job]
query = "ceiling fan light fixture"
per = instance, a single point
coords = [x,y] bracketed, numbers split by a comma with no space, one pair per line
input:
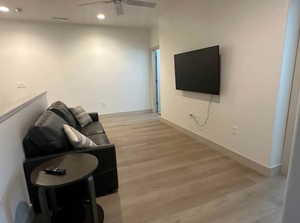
[118,4]
[101,16]
[4,9]
[18,10]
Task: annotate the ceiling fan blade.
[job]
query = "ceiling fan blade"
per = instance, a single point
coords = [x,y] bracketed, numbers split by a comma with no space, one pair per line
[141,3]
[95,2]
[119,8]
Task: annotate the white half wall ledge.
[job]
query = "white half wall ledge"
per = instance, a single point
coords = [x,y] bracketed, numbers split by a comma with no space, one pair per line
[12,109]
[15,121]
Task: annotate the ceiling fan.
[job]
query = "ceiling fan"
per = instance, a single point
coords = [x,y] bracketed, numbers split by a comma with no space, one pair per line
[119,4]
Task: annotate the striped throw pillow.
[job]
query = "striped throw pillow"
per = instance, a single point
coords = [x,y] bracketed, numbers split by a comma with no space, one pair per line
[78,140]
[81,116]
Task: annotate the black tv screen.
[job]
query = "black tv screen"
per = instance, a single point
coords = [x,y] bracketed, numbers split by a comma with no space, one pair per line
[198,71]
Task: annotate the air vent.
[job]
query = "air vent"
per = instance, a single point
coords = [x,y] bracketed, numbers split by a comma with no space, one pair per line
[61,19]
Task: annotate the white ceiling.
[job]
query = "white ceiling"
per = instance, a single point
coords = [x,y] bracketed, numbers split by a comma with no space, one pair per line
[44,10]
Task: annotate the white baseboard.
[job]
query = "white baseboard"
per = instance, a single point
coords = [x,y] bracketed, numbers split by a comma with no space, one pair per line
[126,113]
[263,170]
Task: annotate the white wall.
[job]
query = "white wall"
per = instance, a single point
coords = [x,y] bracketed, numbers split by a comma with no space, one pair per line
[251,35]
[154,37]
[104,69]
[12,131]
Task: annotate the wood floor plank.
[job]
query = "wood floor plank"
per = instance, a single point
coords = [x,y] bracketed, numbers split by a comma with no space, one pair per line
[167,177]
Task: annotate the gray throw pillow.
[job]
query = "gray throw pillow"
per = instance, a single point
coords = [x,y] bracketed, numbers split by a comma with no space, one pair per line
[78,140]
[81,116]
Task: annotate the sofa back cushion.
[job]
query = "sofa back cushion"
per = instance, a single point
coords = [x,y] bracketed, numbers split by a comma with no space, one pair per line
[46,137]
[82,117]
[63,111]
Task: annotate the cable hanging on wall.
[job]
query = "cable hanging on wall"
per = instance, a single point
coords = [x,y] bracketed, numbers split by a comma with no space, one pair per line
[204,123]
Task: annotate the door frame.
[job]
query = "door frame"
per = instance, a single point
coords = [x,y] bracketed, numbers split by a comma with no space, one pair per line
[155,84]
[291,117]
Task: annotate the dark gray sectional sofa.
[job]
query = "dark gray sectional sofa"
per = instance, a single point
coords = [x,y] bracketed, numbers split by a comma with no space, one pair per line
[46,140]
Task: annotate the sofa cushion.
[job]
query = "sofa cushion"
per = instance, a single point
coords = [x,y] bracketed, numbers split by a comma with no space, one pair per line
[47,136]
[77,139]
[82,117]
[92,129]
[63,111]
[100,139]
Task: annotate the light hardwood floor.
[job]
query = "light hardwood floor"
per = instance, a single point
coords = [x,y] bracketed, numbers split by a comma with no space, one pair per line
[168,177]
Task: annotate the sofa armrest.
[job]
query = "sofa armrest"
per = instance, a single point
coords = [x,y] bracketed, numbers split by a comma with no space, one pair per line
[106,155]
[94,116]
[31,163]
[28,166]
[106,175]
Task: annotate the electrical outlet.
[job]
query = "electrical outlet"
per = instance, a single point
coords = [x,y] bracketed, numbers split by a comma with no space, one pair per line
[103,105]
[21,85]
[235,130]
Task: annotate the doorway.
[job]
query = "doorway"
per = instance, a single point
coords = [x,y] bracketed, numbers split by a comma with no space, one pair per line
[156,54]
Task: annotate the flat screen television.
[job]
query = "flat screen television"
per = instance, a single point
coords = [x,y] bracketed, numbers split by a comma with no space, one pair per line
[199,71]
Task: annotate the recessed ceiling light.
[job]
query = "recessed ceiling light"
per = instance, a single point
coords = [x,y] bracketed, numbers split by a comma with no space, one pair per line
[4,9]
[101,16]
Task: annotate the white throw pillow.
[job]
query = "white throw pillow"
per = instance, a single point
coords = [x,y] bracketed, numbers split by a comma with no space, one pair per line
[77,139]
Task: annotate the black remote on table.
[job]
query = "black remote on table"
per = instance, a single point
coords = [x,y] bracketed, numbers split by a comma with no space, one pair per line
[55,171]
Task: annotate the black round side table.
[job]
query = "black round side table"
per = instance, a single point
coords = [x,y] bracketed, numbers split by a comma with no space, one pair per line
[79,167]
